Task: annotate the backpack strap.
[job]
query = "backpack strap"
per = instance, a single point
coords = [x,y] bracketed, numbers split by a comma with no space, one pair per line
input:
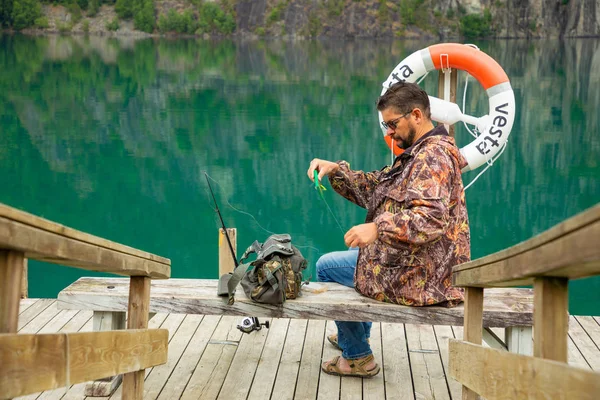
[231,281]
[253,248]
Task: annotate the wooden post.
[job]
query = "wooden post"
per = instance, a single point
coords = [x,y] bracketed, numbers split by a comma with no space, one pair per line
[444,78]
[105,321]
[24,281]
[226,263]
[550,318]
[11,274]
[473,326]
[139,304]
[519,339]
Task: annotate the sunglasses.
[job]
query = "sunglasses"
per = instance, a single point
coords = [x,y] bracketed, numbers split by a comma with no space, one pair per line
[393,123]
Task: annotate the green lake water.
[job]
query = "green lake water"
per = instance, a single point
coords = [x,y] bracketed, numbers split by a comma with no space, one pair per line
[111,137]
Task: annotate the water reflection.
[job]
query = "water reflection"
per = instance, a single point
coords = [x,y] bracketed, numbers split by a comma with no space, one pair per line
[110,136]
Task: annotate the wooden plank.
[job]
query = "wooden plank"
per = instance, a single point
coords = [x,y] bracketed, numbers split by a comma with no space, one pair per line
[241,373]
[497,374]
[590,327]
[208,378]
[572,255]
[190,358]
[170,322]
[584,343]
[398,379]
[25,304]
[226,262]
[374,389]
[492,340]
[426,364]
[576,359]
[502,307]
[137,318]
[40,320]
[16,215]
[262,385]
[106,321]
[351,388]
[25,281]
[11,274]
[551,319]
[72,325]
[109,321]
[589,216]
[77,322]
[452,95]
[443,334]
[329,385]
[473,315]
[157,379]
[310,365]
[519,339]
[289,365]
[51,247]
[60,319]
[473,330]
[32,363]
[75,392]
[34,311]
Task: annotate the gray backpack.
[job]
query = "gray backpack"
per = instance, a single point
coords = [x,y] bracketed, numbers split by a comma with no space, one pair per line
[274,277]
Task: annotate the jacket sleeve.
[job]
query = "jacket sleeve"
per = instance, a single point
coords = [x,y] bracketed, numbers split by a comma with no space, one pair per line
[356,186]
[417,211]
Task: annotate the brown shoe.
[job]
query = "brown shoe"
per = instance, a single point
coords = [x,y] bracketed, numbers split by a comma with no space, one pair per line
[333,339]
[357,367]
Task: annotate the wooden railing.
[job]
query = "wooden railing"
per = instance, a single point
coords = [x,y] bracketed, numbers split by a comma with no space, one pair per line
[32,363]
[567,251]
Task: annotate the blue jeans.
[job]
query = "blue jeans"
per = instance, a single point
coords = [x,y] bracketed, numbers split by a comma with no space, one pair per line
[339,267]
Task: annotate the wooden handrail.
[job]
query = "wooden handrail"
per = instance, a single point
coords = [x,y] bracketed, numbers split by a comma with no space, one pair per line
[497,374]
[33,363]
[14,214]
[43,240]
[569,250]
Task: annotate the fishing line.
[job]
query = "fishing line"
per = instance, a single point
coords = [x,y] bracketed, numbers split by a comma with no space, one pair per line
[255,220]
[333,215]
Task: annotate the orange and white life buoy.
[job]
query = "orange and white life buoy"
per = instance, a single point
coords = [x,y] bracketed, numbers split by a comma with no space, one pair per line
[494,127]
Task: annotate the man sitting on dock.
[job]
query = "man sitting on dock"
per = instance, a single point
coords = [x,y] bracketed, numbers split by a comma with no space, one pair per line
[416,227]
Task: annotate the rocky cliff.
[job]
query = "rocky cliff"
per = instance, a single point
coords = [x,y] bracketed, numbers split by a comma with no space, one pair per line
[443,19]
[380,18]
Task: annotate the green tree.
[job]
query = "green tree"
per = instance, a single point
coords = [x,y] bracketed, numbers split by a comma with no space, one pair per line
[476,26]
[25,12]
[93,8]
[6,7]
[124,8]
[213,19]
[144,19]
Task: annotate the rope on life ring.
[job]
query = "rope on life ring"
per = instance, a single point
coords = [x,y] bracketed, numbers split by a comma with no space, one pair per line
[494,127]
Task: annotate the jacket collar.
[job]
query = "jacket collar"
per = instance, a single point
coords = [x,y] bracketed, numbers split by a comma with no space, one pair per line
[439,130]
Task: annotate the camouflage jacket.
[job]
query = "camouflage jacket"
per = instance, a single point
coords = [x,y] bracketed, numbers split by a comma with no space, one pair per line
[418,205]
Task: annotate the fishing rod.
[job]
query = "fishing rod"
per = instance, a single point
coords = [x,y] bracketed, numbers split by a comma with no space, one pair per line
[248,324]
[222,222]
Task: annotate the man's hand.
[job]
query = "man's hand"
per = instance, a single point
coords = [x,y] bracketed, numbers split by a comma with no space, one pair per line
[323,167]
[361,235]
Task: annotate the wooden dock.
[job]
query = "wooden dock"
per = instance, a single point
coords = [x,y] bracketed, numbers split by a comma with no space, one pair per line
[210,359]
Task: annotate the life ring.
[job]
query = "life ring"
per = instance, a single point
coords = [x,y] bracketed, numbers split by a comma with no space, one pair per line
[495,127]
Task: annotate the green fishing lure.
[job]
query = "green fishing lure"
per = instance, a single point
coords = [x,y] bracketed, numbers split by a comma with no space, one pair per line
[318,185]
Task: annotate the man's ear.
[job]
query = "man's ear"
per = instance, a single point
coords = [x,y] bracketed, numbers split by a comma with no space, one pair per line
[418,114]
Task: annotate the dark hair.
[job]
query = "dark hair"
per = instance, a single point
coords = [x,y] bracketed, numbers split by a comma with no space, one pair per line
[405,97]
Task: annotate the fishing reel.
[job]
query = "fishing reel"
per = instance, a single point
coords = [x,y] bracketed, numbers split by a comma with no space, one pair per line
[250,324]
